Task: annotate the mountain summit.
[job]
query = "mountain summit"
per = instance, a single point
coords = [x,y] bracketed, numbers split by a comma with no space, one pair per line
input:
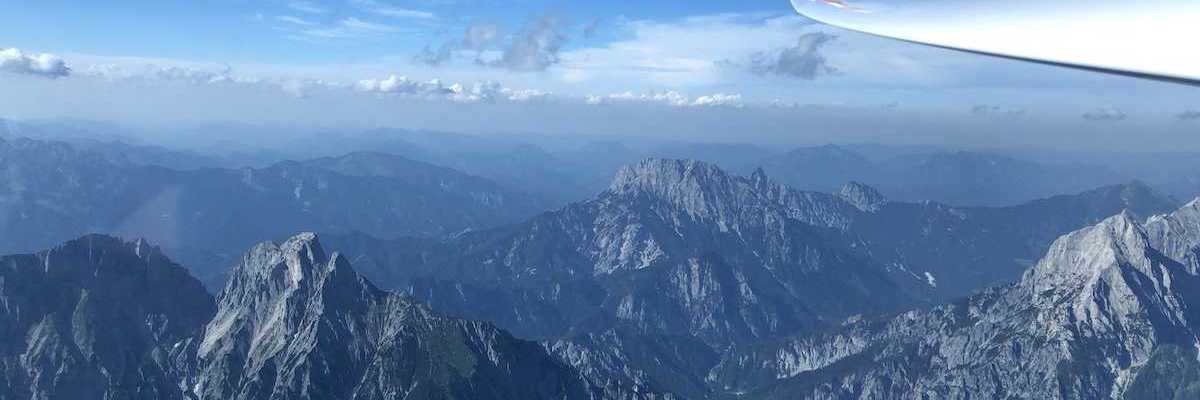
[102,318]
[1108,313]
[296,322]
[96,317]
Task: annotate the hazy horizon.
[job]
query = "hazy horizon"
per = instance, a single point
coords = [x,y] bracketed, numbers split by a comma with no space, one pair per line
[709,71]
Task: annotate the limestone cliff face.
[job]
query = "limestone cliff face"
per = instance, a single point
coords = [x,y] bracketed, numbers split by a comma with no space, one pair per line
[1096,318]
[296,322]
[102,318]
[96,317]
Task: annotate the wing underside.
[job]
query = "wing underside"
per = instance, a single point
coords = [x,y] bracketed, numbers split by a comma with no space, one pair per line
[1143,39]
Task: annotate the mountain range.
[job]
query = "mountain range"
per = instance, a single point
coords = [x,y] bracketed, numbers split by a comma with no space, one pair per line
[99,317]
[663,214]
[960,178]
[1109,313]
[679,261]
[680,280]
[53,191]
[559,169]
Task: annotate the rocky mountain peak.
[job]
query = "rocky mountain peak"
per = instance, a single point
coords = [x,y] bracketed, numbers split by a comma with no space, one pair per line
[99,260]
[299,259]
[93,318]
[1176,234]
[759,178]
[296,322]
[1086,256]
[863,197]
[666,176]
[696,188]
[271,279]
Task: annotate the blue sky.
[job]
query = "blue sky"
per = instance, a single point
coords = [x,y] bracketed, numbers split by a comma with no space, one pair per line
[398,62]
[250,31]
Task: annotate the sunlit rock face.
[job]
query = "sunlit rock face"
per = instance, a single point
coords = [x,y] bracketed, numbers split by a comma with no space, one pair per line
[297,322]
[1109,312]
[1033,30]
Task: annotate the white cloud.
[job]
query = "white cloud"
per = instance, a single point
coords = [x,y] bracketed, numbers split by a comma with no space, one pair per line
[364,26]
[1189,115]
[1105,114]
[294,20]
[307,7]
[387,10]
[681,52]
[348,28]
[167,72]
[480,92]
[44,65]
[403,13]
[152,72]
[528,96]
[479,35]
[997,111]
[802,61]
[401,85]
[719,100]
[536,47]
[669,98]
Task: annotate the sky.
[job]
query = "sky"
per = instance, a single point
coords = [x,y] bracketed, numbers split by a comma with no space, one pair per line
[696,70]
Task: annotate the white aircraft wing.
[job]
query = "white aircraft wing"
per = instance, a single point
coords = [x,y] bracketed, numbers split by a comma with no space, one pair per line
[1156,39]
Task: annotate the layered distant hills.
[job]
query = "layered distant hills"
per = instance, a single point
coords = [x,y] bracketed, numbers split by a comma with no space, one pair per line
[958,178]
[560,169]
[53,191]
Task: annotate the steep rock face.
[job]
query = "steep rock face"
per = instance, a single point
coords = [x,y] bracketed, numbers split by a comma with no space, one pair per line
[708,194]
[96,317]
[673,248]
[1177,234]
[863,197]
[297,323]
[615,359]
[762,363]
[1103,306]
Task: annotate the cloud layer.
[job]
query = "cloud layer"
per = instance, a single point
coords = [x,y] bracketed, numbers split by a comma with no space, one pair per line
[991,110]
[43,65]
[480,92]
[1189,115]
[1105,114]
[536,47]
[669,98]
[802,61]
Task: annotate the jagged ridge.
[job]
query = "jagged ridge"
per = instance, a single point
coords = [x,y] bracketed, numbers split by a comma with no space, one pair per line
[1103,305]
[102,318]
